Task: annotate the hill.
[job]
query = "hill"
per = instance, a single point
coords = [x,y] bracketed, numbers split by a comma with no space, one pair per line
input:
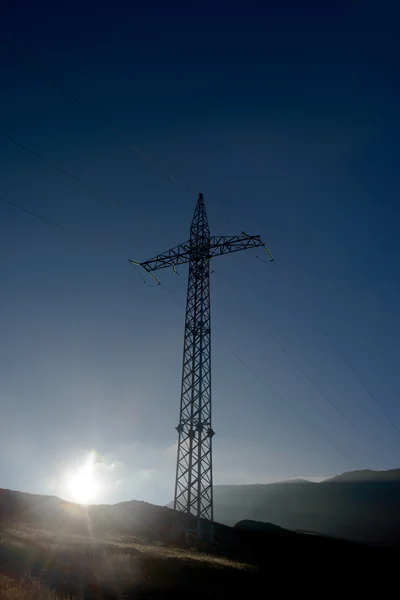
[134,517]
[365,475]
[359,505]
[137,550]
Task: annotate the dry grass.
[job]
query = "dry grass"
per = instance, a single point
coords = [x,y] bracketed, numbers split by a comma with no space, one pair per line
[76,564]
[26,589]
[113,552]
[194,557]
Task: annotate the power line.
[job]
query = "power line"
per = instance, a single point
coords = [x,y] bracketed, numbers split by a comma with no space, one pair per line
[327,398]
[77,236]
[286,403]
[379,404]
[355,428]
[122,137]
[173,295]
[340,412]
[366,388]
[57,168]
[35,215]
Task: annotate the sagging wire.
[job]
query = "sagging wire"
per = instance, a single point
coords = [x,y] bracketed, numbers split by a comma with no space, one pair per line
[327,398]
[35,215]
[87,108]
[288,405]
[53,165]
[271,259]
[173,295]
[221,217]
[364,385]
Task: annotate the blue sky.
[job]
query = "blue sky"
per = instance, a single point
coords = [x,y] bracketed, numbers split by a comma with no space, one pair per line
[286,118]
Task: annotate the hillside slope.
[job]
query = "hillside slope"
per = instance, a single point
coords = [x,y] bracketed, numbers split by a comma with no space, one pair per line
[135,517]
[360,505]
[137,550]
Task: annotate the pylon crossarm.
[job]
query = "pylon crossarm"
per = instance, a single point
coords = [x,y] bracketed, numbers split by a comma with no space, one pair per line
[171,258]
[225,245]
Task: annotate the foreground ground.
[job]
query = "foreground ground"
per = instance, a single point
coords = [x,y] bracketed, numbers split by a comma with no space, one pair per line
[40,564]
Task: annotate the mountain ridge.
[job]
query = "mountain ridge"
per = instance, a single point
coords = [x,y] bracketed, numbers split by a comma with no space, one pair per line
[356,505]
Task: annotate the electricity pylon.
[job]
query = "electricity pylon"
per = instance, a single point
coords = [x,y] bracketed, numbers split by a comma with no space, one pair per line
[193,484]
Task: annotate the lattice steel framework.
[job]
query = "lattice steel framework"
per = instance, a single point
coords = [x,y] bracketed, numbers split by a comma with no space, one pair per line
[193,484]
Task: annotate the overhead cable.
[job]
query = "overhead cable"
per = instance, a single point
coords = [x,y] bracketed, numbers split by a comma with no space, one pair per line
[57,168]
[366,388]
[122,137]
[34,214]
[327,398]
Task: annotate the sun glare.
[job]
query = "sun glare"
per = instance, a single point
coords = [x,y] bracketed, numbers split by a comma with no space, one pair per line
[82,485]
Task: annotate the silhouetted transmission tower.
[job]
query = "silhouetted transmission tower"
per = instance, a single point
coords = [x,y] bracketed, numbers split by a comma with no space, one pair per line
[193,486]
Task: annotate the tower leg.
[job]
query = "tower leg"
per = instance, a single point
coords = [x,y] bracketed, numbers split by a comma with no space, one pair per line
[193,487]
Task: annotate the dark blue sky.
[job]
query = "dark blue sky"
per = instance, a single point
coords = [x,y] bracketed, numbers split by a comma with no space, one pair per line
[285,115]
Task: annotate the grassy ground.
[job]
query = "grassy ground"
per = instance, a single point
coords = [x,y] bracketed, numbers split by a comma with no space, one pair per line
[44,565]
[26,589]
[40,564]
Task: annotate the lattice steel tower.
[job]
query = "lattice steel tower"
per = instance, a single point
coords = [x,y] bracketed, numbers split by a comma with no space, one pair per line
[193,485]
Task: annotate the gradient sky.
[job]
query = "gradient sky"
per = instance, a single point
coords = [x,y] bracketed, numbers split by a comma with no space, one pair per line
[286,116]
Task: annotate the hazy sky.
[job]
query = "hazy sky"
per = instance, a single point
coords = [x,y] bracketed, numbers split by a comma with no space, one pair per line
[286,116]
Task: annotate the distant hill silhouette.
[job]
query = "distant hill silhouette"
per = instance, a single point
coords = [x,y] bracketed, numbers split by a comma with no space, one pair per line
[135,517]
[359,505]
[368,475]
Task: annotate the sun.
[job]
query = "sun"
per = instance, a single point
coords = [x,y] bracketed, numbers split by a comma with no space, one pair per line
[82,485]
